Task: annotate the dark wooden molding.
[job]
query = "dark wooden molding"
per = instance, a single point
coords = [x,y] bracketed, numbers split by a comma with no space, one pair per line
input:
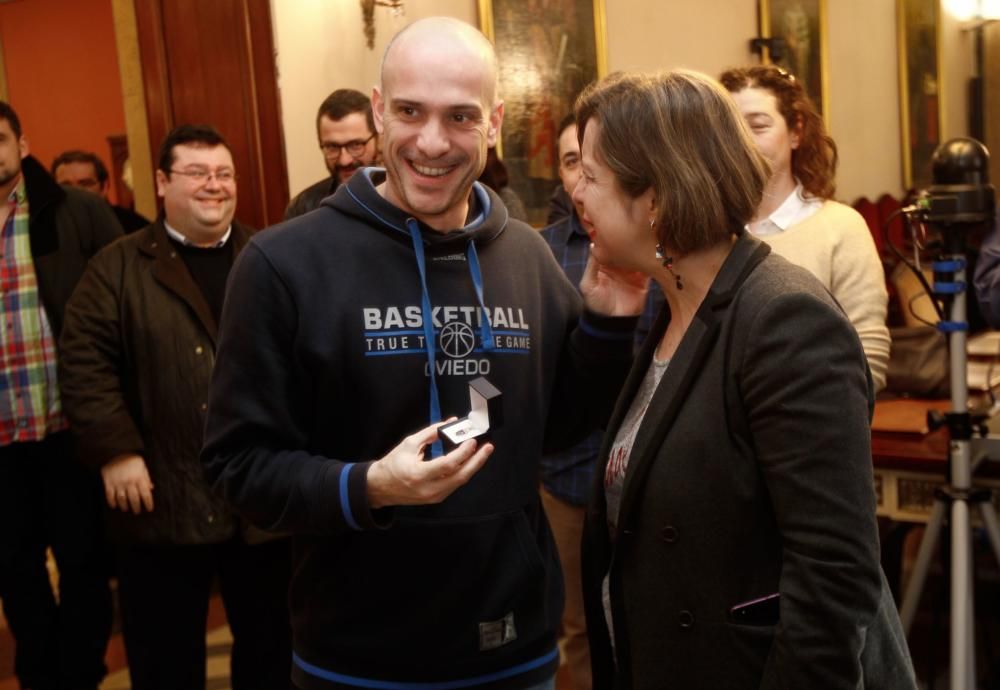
[213,63]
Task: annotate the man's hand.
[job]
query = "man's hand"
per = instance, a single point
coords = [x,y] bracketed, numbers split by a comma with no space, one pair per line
[127,485]
[613,291]
[403,477]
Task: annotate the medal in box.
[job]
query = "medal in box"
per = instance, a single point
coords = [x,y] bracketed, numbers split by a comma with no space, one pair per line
[486,414]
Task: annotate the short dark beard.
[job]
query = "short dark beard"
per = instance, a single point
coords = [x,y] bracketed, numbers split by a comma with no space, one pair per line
[4,181]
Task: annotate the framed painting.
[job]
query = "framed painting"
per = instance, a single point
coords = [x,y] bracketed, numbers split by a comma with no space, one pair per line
[920,91]
[548,51]
[801,26]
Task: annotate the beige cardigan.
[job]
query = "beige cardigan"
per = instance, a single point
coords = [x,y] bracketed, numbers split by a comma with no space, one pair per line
[835,245]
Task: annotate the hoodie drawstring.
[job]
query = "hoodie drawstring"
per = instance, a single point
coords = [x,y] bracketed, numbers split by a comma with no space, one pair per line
[427,314]
[428,318]
[485,329]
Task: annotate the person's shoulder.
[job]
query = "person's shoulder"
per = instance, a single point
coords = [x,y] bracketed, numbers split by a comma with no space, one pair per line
[79,201]
[302,235]
[558,231]
[776,277]
[132,242]
[315,193]
[780,295]
[129,219]
[310,198]
[120,252]
[85,212]
[524,235]
[784,299]
[840,216]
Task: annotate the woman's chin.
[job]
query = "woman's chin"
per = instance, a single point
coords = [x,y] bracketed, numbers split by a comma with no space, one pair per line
[601,253]
[610,258]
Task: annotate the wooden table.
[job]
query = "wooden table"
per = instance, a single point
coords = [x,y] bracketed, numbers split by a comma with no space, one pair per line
[909,466]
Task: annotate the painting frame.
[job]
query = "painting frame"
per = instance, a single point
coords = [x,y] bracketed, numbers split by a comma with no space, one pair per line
[801,22]
[921,98]
[543,65]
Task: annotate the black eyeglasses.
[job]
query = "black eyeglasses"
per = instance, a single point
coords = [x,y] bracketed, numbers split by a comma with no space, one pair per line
[355,148]
[199,176]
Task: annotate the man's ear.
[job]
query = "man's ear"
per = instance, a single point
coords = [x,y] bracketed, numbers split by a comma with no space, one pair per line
[161,183]
[378,111]
[22,144]
[496,119]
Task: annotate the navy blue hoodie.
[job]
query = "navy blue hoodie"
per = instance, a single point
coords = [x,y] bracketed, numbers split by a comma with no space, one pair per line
[323,366]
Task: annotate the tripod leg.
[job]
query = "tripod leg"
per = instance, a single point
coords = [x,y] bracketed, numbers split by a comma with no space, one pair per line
[989,514]
[970,628]
[962,655]
[914,588]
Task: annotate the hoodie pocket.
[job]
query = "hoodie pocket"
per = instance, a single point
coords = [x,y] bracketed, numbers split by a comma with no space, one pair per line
[430,589]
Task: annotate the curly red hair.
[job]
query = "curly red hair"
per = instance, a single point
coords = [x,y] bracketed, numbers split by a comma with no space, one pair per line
[814,162]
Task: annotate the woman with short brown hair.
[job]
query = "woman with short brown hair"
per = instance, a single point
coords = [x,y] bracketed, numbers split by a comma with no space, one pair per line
[731,541]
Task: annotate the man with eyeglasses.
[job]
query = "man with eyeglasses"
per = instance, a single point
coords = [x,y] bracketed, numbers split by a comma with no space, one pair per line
[47,500]
[348,141]
[139,340]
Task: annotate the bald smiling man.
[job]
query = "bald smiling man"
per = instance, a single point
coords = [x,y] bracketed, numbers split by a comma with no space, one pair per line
[350,334]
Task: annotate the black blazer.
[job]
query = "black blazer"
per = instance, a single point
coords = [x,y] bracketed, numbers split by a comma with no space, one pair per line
[750,474]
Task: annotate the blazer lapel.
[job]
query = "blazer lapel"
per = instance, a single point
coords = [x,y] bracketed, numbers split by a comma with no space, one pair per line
[625,397]
[684,369]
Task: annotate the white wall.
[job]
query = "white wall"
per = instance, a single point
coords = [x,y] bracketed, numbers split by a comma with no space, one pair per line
[321,47]
[864,97]
[705,35]
[956,69]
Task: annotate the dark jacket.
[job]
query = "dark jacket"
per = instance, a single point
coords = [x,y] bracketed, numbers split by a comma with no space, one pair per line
[129,219]
[67,227]
[750,474]
[987,277]
[311,197]
[323,367]
[138,349]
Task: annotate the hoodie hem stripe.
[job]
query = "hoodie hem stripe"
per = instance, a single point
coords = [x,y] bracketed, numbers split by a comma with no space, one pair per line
[443,685]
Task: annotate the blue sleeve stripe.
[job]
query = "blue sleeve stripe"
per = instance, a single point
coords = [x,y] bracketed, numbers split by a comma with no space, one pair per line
[443,685]
[605,335]
[345,497]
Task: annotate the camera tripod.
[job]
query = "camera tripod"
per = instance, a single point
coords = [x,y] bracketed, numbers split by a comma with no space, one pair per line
[959,497]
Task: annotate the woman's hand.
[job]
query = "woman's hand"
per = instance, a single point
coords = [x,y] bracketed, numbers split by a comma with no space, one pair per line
[613,291]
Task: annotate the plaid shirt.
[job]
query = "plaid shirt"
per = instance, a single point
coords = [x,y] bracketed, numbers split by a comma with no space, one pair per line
[568,474]
[29,393]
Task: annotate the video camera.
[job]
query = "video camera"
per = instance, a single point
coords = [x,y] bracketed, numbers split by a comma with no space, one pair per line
[961,197]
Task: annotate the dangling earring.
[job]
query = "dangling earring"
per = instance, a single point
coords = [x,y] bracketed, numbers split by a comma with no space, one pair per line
[667,261]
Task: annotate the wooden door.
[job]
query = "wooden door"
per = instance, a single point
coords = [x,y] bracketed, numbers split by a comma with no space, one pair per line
[213,63]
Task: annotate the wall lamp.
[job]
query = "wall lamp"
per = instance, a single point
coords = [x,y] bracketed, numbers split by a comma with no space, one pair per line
[368,16]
